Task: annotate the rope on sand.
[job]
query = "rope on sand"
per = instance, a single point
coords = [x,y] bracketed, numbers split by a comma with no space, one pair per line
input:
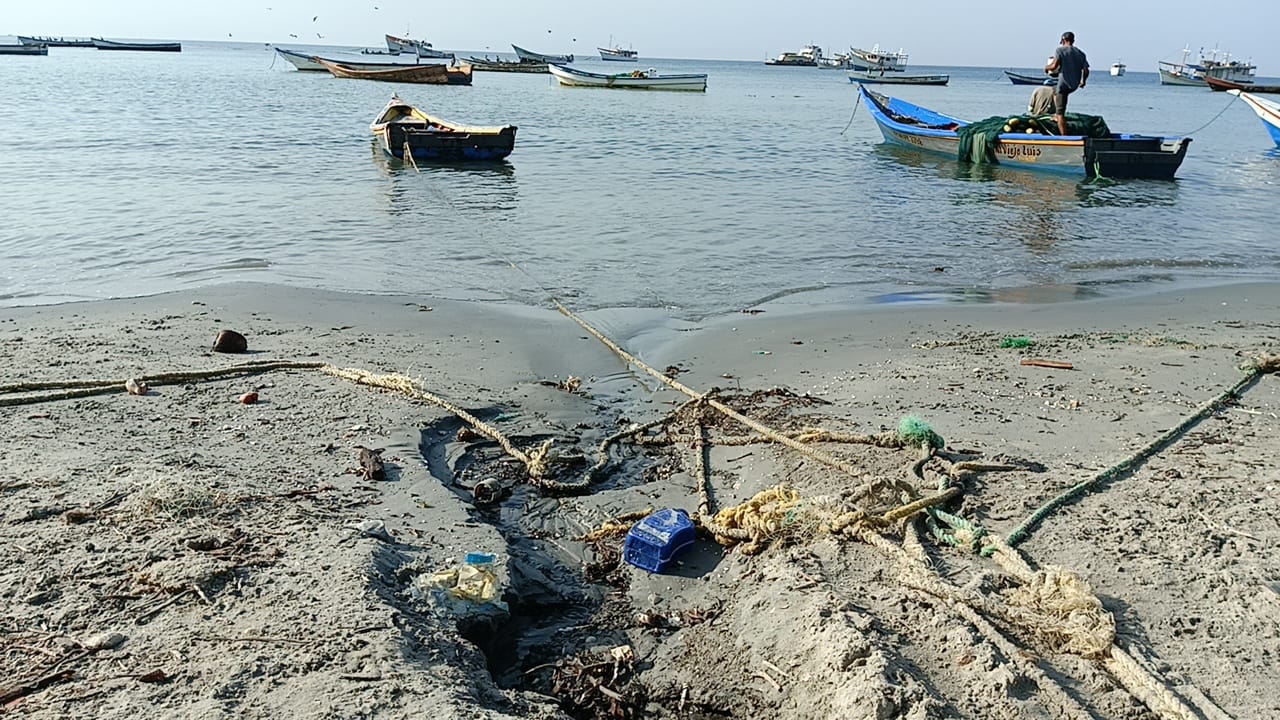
[67,390]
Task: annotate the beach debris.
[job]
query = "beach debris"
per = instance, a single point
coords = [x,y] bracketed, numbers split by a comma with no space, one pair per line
[103,641]
[653,543]
[230,341]
[487,491]
[375,529]
[1017,342]
[915,432]
[248,398]
[135,387]
[371,467]
[593,685]
[1055,364]
[474,581]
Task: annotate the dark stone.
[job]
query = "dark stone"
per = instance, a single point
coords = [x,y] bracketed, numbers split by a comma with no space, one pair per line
[230,341]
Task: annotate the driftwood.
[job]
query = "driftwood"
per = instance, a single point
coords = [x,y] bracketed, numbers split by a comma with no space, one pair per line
[1047,363]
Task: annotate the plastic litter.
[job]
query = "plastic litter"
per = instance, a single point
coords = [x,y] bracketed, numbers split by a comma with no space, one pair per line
[654,542]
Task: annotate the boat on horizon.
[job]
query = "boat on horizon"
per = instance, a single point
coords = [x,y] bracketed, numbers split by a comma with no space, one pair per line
[426,73]
[1268,112]
[635,80]
[1020,79]
[401,127]
[874,60]
[1210,65]
[309,62]
[1222,85]
[102,44]
[806,57]
[1109,155]
[421,48]
[55,41]
[24,49]
[618,54]
[879,77]
[531,56]
[1117,69]
[487,64]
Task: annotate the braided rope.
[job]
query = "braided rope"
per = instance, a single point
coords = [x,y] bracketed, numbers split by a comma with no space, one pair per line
[71,389]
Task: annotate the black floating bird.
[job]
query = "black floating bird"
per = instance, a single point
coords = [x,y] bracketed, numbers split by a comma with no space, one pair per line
[292,35]
[313,18]
[319,36]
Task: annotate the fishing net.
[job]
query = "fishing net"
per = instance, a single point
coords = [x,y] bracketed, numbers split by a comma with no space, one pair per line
[978,139]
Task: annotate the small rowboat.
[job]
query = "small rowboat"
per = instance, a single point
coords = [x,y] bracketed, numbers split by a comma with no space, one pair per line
[531,56]
[148,46]
[519,66]
[635,80]
[1020,79]
[24,49]
[1221,85]
[876,78]
[400,127]
[1112,156]
[431,74]
[1267,110]
[310,63]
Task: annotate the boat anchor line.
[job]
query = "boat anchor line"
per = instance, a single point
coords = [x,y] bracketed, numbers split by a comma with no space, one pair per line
[857,101]
[1212,119]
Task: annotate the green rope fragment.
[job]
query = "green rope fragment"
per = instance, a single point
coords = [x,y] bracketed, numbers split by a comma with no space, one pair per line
[915,432]
[1017,342]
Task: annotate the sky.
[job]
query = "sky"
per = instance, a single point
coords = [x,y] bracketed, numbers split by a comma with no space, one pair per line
[932,32]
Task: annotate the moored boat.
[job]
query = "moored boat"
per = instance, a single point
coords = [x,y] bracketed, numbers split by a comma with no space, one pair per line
[1215,65]
[879,77]
[874,60]
[1268,112]
[1222,85]
[1021,79]
[636,80]
[1117,69]
[400,127]
[618,54]
[24,49]
[807,57]
[1100,153]
[102,44]
[531,56]
[421,48]
[513,66]
[55,41]
[426,73]
[310,63]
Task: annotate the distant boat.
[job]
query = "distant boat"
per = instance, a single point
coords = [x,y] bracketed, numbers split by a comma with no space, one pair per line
[874,60]
[1267,111]
[635,80]
[806,57]
[310,63]
[1210,65]
[400,127]
[421,48]
[143,46]
[513,66]
[55,41]
[1117,69]
[426,73]
[873,78]
[839,61]
[24,49]
[531,56]
[618,54]
[1113,156]
[1020,79]
[1220,85]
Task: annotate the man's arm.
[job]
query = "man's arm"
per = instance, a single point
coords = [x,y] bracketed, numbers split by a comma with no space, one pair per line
[1084,78]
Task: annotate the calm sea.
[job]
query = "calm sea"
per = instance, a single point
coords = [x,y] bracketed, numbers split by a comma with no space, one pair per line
[135,173]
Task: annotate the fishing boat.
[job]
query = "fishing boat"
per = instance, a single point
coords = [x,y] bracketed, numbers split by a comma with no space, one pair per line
[311,63]
[1267,110]
[839,61]
[23,49]
[426,73]
[1109,155]
[531,56]
[1117,69]
[617,54]
[1214,64]
[636,80]
[55,41]
[879,77]
[514,66]
[1020,79]
[421,48]
[806,57]
[400,127]
[102,44]
[874,60]
[1221,85]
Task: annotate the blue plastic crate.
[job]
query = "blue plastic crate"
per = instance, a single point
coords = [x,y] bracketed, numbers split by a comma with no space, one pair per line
[655,541]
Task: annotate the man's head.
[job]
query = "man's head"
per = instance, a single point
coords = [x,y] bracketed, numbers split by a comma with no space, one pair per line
[1068,37]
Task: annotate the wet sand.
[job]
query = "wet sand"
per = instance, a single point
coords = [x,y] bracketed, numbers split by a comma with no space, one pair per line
[185,553]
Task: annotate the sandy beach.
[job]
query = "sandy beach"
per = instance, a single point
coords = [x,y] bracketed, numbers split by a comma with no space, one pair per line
[182,553]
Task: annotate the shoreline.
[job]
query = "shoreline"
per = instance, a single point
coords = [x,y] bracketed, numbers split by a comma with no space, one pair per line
[246,519]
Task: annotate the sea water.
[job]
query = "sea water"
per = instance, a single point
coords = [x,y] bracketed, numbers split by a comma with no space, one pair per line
[134,173]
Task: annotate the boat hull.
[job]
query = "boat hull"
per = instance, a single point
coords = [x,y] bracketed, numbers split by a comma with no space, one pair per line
[1178,77]
[143,47]
[882,79]
[1118,156]
[1020,79]
[1266,110]
[1222,85]
[618,54]
[309,63]
[530,56]
[400,127]
[426,74]
[637,80]
[56,42]
[525,66]
[24,49]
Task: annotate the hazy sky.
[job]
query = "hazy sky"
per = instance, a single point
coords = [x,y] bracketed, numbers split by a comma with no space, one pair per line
[933,32]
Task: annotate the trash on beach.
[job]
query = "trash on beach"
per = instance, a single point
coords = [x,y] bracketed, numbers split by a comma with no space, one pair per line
[1037,362]
[487,492]
[1017,342]
[230,341]
[473,582]
[375,529]
[135,387]
[248,398]
[654,542]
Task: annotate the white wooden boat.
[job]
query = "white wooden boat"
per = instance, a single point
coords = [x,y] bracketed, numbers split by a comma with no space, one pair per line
[618,54]
[309,62]
[1267,110]
[103,44]
[636,80]
[533,57]
[880,77]
[874,60]
[421,48]
[1117,69]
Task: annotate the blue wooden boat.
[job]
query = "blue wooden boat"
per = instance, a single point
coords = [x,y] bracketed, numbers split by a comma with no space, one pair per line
[1267,110]
[1020,79]
[402,128]
[1113,156]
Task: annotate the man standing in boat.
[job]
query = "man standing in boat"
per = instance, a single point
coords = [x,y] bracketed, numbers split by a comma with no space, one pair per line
[1071,67]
